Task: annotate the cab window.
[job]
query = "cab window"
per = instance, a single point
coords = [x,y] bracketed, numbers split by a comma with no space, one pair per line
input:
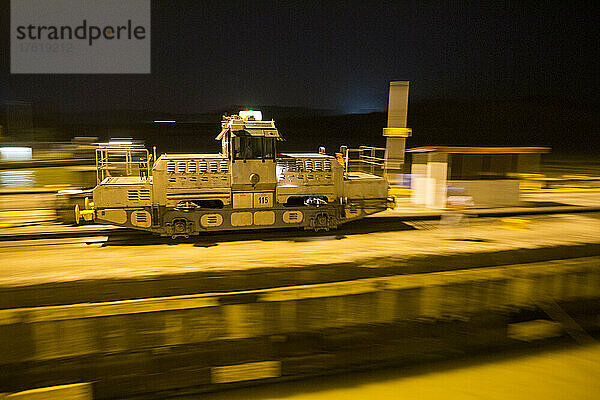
[253,148]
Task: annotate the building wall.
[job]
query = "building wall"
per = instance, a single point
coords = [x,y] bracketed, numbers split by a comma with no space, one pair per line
[488,193]
[487,178]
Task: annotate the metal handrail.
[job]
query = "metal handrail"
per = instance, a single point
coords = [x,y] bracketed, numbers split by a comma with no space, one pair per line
[372,148]
[104,164]
[369,158]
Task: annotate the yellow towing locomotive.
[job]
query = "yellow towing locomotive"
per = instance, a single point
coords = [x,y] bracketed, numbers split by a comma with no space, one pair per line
[245,186]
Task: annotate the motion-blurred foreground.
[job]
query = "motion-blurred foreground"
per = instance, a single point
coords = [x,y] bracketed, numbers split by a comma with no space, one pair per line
[549,373]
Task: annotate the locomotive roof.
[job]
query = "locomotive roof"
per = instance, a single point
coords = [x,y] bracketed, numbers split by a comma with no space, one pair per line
[306,155]
[239,127]
[189,156]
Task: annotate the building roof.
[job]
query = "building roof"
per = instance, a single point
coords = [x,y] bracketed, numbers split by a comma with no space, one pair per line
[479,150]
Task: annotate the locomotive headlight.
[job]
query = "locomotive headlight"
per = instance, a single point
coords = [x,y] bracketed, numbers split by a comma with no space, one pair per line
[251,115]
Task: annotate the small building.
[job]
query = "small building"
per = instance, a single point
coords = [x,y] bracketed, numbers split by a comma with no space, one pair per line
[489,175]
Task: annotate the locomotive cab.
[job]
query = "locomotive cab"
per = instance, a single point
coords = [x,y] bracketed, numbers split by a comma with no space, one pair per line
[250,146]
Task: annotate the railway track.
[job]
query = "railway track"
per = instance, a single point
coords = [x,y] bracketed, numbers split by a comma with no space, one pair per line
[126,237]
[384,222]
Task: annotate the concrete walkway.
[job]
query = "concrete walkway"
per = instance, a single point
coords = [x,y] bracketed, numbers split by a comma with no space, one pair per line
[57,262]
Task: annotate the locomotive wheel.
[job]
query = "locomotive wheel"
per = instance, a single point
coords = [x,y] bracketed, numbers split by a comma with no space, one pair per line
[179,226]
[321,222]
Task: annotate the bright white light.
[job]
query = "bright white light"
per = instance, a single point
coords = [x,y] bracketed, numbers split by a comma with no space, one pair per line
[165,121]
[120,142]
[15,153]
[257,115]
[279,172]
[17,179]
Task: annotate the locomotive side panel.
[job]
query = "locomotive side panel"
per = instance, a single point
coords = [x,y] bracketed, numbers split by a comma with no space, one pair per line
[249,175]
[182,223]
[364,186]
[308,175]
[198,180]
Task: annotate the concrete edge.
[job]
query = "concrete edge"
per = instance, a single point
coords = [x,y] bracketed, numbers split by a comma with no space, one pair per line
[198,282]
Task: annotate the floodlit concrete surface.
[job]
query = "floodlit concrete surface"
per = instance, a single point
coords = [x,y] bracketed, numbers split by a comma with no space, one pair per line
[563,373]
[574,198]
[60,260]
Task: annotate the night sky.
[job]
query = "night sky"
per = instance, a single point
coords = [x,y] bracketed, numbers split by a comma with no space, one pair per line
[338,56]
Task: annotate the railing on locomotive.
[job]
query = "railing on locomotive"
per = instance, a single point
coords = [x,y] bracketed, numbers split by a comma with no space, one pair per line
[366,159]
[122,161]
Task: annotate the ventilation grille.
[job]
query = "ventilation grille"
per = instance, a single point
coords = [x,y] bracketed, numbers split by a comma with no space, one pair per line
[193,166]
[287,165]
[145,194]
[141,218]
[138,195]
[212,219]
[133,195]
[293,216]
[308,165]
[304,165]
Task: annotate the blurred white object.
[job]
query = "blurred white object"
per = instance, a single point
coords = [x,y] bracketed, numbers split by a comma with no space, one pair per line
[15,153]
[456,205]
[460,201]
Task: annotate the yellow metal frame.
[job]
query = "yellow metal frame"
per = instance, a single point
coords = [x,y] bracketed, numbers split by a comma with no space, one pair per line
[397,132]
[88,214]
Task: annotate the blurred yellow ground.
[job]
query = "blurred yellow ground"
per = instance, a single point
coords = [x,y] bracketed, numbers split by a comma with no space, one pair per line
[569,373]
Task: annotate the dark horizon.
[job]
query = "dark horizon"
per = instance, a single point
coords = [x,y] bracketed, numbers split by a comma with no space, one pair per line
[566,129]
[208,56]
